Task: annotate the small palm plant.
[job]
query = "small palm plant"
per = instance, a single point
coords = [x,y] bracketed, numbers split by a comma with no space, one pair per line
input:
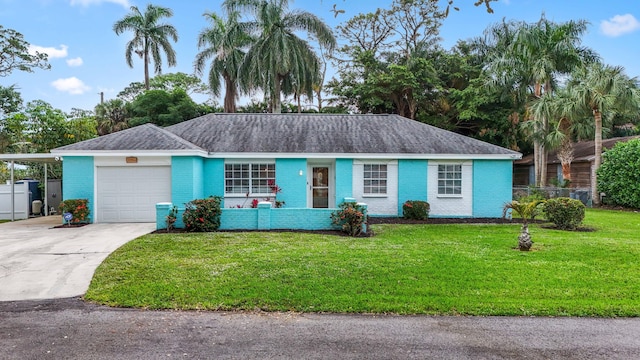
[527,210]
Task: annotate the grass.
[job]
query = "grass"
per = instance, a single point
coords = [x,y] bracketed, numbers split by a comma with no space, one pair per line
[404,269]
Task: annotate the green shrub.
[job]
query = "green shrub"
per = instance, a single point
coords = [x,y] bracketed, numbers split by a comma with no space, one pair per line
[415,209]
[202,215]
[619,175]
[350,217]
[565,213]
[79,209]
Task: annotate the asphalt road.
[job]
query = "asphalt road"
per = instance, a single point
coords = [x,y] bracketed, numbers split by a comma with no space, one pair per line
[71,329]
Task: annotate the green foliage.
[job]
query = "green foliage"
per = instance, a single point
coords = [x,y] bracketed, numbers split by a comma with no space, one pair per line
[203,215]
[526,209]
[111,116]
[162,108]
[79,208]
[415,209]
[565,213]
[619,175]
[14,54]
[350,217]
[171,218]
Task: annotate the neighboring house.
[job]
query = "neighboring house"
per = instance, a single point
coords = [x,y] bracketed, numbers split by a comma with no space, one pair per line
[581,166]
[317,160]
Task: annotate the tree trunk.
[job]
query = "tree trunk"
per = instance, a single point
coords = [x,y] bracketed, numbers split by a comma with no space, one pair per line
[319,97]
[597,156]
[230,95]
[536,161]
[276,104]
[146,66]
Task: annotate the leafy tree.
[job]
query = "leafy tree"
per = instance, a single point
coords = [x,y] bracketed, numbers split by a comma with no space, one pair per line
[111,116]
[222,43]
[603,90]
[150,37]
[162,108]
[167,82]
[618,177]
[14,54]
[279,61]
[10,100]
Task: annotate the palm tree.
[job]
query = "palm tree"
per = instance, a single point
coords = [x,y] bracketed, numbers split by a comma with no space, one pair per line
[150,37]
[111,116]
[603,90]
[527,59]
[224,43]
[279,61]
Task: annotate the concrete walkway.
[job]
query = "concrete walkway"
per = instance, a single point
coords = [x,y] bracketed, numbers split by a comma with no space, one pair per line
[38,261]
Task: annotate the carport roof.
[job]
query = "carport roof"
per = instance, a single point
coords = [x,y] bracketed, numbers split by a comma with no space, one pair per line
[41,158]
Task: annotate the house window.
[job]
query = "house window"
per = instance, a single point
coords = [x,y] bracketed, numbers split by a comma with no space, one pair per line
[375,179]
[450,179]
[251,178]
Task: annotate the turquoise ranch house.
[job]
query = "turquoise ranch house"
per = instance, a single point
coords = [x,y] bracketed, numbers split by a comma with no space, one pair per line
[316,160]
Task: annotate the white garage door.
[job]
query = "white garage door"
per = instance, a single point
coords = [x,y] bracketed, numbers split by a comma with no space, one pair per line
[130,194]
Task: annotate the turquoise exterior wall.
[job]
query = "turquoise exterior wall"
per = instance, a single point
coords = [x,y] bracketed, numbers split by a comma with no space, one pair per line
[294,185]
[492,187]
[213,177]
[344,179]
[78,173]
[412,181]
[186,179]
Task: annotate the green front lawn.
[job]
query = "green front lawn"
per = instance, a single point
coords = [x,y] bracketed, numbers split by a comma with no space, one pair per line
[405,269]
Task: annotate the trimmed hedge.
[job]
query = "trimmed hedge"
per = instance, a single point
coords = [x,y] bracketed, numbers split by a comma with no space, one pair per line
[416,210]
[565,213]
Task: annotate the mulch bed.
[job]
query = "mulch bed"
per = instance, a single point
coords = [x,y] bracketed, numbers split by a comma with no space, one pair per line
[66,226]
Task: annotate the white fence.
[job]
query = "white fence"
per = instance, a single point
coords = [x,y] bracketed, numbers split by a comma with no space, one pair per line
[21,198]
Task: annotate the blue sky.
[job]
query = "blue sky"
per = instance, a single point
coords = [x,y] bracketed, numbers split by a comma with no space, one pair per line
[87,57]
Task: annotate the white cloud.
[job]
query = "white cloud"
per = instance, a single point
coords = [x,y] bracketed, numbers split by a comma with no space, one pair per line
[619,25]
[51,51]
[72,85]
[75,62]
[86,3]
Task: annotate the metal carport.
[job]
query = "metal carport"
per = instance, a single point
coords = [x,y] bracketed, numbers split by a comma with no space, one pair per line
[37,158]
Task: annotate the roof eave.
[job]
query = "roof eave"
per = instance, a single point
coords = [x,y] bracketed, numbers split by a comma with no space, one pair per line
[271,155]
[102,153]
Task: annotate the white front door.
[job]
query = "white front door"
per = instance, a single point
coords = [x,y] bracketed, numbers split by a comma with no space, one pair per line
[321,186]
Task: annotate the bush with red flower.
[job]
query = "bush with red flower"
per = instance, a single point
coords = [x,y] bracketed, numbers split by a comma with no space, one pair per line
[202,215]
[78,208]
[350,217]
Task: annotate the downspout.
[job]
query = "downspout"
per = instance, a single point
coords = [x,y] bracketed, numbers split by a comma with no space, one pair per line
[13,193]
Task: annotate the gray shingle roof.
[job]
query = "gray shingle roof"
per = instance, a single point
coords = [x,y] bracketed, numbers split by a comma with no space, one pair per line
[296,133]
[143,137]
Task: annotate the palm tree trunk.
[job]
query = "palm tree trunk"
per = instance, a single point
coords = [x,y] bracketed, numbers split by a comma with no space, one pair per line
[276,104]
[230,95]
[536,161]
[146,66]
[598,156]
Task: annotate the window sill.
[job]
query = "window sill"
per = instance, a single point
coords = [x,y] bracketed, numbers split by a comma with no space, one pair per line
[250,195]
[450,196]
[375,196]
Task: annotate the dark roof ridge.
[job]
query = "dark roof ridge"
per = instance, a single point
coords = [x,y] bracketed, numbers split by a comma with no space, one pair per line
[174,137]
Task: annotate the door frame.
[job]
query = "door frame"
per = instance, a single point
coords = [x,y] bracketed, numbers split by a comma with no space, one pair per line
[330,164]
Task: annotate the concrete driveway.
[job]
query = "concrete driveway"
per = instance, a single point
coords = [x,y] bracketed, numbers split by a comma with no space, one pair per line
[38,261]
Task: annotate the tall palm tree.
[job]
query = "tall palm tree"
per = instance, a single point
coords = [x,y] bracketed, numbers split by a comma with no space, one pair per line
[150,37]
[527,59]
[279,61]
[603,90]
[224,42]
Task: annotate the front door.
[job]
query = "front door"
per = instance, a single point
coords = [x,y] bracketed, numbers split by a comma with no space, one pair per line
[320,186]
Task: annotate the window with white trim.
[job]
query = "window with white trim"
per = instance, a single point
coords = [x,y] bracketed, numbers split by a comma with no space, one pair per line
[450,179]
[375,179]
[251,178]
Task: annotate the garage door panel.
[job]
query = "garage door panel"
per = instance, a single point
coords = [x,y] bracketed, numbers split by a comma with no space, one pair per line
[129,194]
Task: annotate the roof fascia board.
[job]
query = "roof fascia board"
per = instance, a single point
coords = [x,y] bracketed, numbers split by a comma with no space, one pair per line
[252,155]
[100,153]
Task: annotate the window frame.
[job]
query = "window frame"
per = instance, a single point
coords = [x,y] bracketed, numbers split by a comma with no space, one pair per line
[451,178]
[367,188]
[248,181]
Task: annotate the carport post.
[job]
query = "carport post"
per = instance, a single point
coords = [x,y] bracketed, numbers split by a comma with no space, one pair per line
[46,194]
[13,193]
